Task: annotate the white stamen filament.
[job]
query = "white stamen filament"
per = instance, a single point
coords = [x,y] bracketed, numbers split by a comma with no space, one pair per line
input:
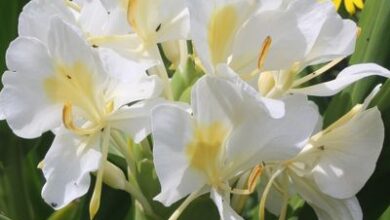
[73,5]
[286,197]
[317,73]
[266,191]
[176,214]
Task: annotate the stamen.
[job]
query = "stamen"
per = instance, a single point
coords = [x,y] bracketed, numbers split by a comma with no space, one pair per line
[252,180]
[41,164]
[341,121]
[317,73]
[286,197]
[109,107]
[67,119]
[254,177]
[266,192]
[236,191]
[73,5]
[264,52]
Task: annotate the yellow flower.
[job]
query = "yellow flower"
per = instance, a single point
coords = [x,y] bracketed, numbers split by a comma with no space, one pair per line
[350,5]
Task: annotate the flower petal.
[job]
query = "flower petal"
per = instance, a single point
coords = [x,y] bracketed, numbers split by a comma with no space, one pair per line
[213,26]
[345,78]
[96,20]
[23,100]
[325,206]
[336,39]
[128,79]
[339,172]
[34,21]
[263,138]
[175,21]
[66,172]
[135,120]
[223,204]
[172,130]
[296,26]
[68,47]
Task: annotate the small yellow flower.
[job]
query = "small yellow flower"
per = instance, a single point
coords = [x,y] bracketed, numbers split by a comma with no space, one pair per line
[350,5]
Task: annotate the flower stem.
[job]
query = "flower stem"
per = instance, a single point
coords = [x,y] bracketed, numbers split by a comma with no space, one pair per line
[132,186]
[163,73]
[95,200]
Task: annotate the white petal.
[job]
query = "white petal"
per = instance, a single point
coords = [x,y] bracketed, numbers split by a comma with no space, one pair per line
[371,96]
[325,206]
[339,172]
[214,100]
[201,15]
[248,94]
[123,68]
[29,56]
[66,172]
[175,21]
[34,21]
[172,130]
[95,19]
[23,101]
[135,120]
[345,78]
[223,204]
[131,46]
[293,28]
[288,43]
[128,79]
[229,99]
[68,47]
[336,39]
[261,137]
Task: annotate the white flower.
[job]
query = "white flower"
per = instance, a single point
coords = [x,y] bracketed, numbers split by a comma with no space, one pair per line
[150,22]
[67,171]
[65,86]
[43,82]
[230,131]
[337,152]
[270,42]
[328,173]
[214,25]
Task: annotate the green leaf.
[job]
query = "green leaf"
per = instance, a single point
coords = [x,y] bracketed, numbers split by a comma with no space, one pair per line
[386,214]
[372,46]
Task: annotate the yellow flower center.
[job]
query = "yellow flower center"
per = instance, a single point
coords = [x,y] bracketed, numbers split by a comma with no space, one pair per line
[206,149]
[73,85]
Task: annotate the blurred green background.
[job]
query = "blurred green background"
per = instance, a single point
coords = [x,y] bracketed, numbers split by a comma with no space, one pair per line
[21,181]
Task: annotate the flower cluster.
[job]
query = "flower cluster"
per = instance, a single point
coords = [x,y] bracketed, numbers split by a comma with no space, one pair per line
[100,76]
